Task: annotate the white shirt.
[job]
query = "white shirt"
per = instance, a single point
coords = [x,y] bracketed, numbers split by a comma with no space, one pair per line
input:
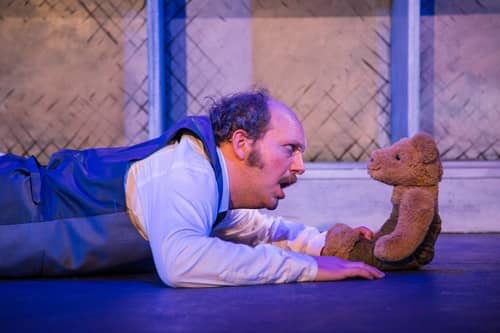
[172,199]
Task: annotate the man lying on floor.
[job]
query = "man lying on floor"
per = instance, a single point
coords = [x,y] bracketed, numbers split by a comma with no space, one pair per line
[187,199]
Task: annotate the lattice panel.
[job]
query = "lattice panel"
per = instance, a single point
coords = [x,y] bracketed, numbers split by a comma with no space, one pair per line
[73,74]
[208,50]
[328,60]
[460,78]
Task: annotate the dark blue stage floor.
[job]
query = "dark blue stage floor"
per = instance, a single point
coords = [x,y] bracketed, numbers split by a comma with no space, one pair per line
[458,292]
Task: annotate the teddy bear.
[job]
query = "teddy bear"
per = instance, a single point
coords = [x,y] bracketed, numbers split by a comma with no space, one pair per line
[406,240]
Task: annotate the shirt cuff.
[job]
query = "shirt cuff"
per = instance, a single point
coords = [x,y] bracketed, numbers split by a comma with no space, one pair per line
[315,245]
[311,271]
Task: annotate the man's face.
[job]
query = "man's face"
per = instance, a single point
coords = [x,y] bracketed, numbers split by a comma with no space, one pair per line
[276,158]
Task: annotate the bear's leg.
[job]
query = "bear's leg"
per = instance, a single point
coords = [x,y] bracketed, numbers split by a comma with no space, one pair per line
[343,242]
[363,251]
[340,240]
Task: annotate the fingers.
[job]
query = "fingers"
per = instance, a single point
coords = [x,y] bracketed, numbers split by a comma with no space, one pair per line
[333,268]
[366,271]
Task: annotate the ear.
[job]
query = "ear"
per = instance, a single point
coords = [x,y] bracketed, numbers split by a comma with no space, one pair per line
[425,144]
[241,143]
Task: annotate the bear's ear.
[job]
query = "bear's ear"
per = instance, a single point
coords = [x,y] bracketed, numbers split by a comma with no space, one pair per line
[425,144]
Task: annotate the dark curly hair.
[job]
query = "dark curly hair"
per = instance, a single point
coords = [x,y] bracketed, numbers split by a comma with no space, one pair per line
[246,110]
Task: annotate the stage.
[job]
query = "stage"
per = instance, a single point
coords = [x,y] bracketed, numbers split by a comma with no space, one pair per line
[458,292]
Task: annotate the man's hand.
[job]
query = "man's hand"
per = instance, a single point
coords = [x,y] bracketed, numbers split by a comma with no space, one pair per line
[333,268]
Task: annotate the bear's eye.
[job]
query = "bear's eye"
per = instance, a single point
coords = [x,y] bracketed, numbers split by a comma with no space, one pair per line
[398,157]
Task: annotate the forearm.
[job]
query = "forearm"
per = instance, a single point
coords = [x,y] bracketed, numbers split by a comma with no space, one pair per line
[197,261]
[253,228]
[298,237]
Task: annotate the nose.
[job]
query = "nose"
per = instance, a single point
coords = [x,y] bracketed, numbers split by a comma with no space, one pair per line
[297,166]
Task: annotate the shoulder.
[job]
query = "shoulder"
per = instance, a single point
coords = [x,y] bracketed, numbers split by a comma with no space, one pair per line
[178,167]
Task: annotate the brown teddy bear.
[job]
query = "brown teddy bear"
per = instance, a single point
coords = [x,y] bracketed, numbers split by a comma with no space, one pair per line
[407,238]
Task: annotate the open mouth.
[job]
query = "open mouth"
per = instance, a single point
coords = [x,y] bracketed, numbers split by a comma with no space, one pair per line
[287,181]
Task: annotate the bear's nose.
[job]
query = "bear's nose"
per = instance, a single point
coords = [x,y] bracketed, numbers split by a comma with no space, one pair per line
[373,155]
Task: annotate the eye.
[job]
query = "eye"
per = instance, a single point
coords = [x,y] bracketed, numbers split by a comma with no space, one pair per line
[290,149]
[398,157]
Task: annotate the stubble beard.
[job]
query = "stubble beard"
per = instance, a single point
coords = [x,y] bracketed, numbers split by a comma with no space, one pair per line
[255,159]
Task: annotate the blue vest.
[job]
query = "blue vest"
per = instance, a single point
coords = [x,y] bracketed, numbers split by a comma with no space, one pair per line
[69,217]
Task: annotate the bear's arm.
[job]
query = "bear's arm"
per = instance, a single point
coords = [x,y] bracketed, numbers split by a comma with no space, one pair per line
[416,210]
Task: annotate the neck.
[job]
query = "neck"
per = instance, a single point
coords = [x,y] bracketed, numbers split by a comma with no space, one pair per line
[400,189]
